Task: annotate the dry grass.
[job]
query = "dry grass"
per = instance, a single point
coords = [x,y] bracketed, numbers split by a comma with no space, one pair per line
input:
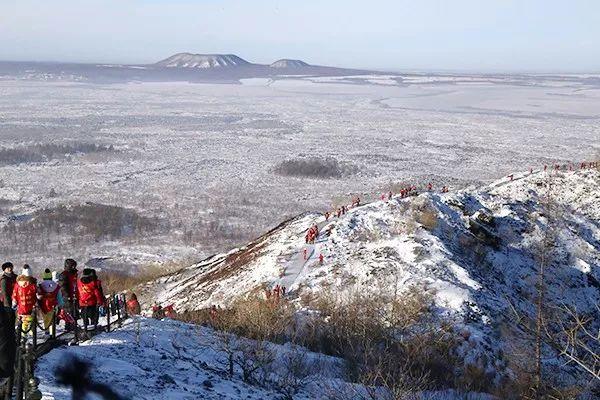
[117,282]
[428,218]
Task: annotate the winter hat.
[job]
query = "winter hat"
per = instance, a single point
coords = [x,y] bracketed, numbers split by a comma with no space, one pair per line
[70,264]
[87,272]
[7,265]
[47,275]
[26,270]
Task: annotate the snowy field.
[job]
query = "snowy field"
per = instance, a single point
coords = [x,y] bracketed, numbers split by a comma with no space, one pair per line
[201,158]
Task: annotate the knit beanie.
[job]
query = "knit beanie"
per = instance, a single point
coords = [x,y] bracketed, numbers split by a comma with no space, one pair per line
[47,275]
[7,265]
[26,270]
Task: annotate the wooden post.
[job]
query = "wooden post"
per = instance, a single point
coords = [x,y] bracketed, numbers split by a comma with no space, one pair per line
[33,327]
[54,311]
[19,366]
[108,311]
[118,306]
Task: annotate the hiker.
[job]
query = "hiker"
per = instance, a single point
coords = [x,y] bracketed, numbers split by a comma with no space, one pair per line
[213,313]
[511,176]
[430,186]
[530,170]
[390,194]
[68,285]
[88,294]
[170,311]
[25,297]
[7,284]
[283,291]
[277,292]
[100,298]
[382,197]
[49,298]
[327,216]
[545,167]
[133,305]
[305,253]
[321,259]
[157,311]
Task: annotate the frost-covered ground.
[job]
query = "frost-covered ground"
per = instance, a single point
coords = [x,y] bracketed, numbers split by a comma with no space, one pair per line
[150,359]
[202,156]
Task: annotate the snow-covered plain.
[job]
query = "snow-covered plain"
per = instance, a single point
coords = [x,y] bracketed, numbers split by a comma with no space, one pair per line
[202,156]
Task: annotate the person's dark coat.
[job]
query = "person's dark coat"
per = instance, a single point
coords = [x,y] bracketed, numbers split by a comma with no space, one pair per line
[8,346]
[7,284]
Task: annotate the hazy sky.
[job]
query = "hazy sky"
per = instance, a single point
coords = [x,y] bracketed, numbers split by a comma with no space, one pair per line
[484,35]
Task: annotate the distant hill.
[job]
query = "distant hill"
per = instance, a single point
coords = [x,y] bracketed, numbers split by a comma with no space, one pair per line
[203,61]
[287,63]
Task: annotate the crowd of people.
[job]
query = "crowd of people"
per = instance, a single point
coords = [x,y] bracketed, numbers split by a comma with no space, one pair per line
[55,297]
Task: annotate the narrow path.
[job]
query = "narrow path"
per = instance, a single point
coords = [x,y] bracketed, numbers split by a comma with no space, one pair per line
[297,265]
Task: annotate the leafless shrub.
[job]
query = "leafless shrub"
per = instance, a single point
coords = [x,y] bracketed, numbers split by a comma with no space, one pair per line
[255,359]
[391,344]
[314,167]
[296,372]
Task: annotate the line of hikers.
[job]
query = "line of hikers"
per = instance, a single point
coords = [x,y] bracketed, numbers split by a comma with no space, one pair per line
[276,293]
[571,166]
[65,295]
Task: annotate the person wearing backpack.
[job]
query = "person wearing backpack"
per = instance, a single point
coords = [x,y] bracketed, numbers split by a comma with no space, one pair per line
[88,295]
[25,297]
[50,297]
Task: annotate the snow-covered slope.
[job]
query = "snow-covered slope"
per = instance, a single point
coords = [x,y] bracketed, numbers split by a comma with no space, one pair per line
[149,359]
[287,63]
[476,251]
[202,61]
[385,242]
[152,359]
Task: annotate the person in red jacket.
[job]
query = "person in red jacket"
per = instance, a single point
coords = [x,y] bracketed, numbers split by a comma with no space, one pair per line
[133,305]
[170,311]
[49,298]
[100,298]
[88,295]
[25,297]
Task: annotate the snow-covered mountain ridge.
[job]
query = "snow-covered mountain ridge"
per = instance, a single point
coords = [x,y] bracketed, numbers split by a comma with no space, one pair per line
[476,251]
[386,244]
[203,61]
[209,61]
